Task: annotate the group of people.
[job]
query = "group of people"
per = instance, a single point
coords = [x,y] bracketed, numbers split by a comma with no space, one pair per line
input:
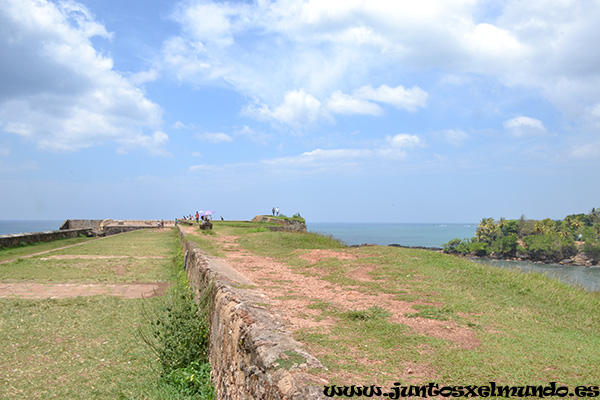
[202,216]
[197,217]
[275,211]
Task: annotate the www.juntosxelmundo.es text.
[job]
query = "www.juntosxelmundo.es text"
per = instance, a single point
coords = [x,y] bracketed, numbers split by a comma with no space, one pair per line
[398,391]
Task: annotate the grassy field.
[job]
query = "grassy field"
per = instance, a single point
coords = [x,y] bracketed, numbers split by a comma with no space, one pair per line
[527,329]
[85,347]
[16,252]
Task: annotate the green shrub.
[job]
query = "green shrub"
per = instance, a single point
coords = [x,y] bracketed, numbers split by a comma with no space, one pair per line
[178,332]
[479,249]
[450,247]
[505,246]
[549,247]
[593,250]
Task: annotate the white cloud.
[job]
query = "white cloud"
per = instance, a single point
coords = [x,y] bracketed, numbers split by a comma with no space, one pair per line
[215,137]
[336,50]
[139,78]
[396,145]
[525,126]
[154,143]
[399,97]
[340,103]
[585,151]
[252,135]
[58,91]
[455,136]
[382,154]
[298,108]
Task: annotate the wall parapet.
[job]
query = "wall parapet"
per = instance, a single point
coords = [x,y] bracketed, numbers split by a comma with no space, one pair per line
[37,237]
[252,354]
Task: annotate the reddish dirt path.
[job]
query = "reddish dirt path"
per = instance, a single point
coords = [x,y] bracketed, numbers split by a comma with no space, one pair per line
[290,292]
[30,290]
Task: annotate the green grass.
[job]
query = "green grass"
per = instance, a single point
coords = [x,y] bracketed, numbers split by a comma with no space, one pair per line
[16,252]
[528,329]
[135,243]
[143,244]
[80,348]
[86,347]
[83,270]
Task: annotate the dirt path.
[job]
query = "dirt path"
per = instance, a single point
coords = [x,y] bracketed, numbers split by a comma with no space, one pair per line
[30,290]
[290,293]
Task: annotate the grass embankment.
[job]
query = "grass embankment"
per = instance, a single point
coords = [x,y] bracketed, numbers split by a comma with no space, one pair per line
[12,253]
[87,347]
[520,329]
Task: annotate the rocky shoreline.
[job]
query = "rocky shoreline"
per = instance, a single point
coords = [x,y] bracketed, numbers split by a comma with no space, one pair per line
[581,259]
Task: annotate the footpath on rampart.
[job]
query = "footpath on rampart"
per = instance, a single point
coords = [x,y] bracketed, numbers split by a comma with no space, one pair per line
[263,304]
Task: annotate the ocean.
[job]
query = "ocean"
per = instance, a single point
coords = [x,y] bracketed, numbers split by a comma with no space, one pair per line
[425,235]
[13,227]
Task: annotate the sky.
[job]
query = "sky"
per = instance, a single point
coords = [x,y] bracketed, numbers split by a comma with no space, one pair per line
[340,110]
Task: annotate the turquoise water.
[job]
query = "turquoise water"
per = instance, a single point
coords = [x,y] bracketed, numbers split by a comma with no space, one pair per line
[426,235]
[434,235]
[12,227]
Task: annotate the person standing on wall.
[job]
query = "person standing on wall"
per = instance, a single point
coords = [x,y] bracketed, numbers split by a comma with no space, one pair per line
[273,211]
[277,211]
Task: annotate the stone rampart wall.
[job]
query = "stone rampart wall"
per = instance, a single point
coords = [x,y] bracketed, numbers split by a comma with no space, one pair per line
[81,224]
[253,356]
[107,227]
[36,237]
[284,224]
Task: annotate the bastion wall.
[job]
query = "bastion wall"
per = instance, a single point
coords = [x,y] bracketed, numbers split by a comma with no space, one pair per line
[252,354]
[37,237]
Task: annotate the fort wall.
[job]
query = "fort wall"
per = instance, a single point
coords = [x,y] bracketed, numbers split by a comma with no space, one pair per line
[252,354]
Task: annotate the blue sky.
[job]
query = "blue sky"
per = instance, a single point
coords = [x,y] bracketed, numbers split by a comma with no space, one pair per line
[354,110]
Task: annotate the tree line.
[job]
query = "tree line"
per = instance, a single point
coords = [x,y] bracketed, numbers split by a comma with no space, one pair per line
[544,240]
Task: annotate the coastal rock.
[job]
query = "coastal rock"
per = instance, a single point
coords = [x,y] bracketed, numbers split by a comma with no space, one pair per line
[582,258]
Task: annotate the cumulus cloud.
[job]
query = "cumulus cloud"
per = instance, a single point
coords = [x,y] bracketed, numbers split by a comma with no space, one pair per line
[61,93]
[340,103]
[354,56]
[215,137]
[298,108]
[525,126]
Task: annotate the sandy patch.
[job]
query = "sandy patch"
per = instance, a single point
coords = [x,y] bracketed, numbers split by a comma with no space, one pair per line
[29,290]
[96,257]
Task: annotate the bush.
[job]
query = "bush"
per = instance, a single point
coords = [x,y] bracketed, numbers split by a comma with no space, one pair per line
[549,247]
[479,249]
[505,246]
[178,332]
[450,247]
[592,248]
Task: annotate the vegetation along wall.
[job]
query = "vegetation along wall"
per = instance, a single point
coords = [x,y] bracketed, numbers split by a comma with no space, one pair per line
[252,355]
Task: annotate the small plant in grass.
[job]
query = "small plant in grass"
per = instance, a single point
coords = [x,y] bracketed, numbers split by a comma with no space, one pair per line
[177,332]
[430,312]
[368,314]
